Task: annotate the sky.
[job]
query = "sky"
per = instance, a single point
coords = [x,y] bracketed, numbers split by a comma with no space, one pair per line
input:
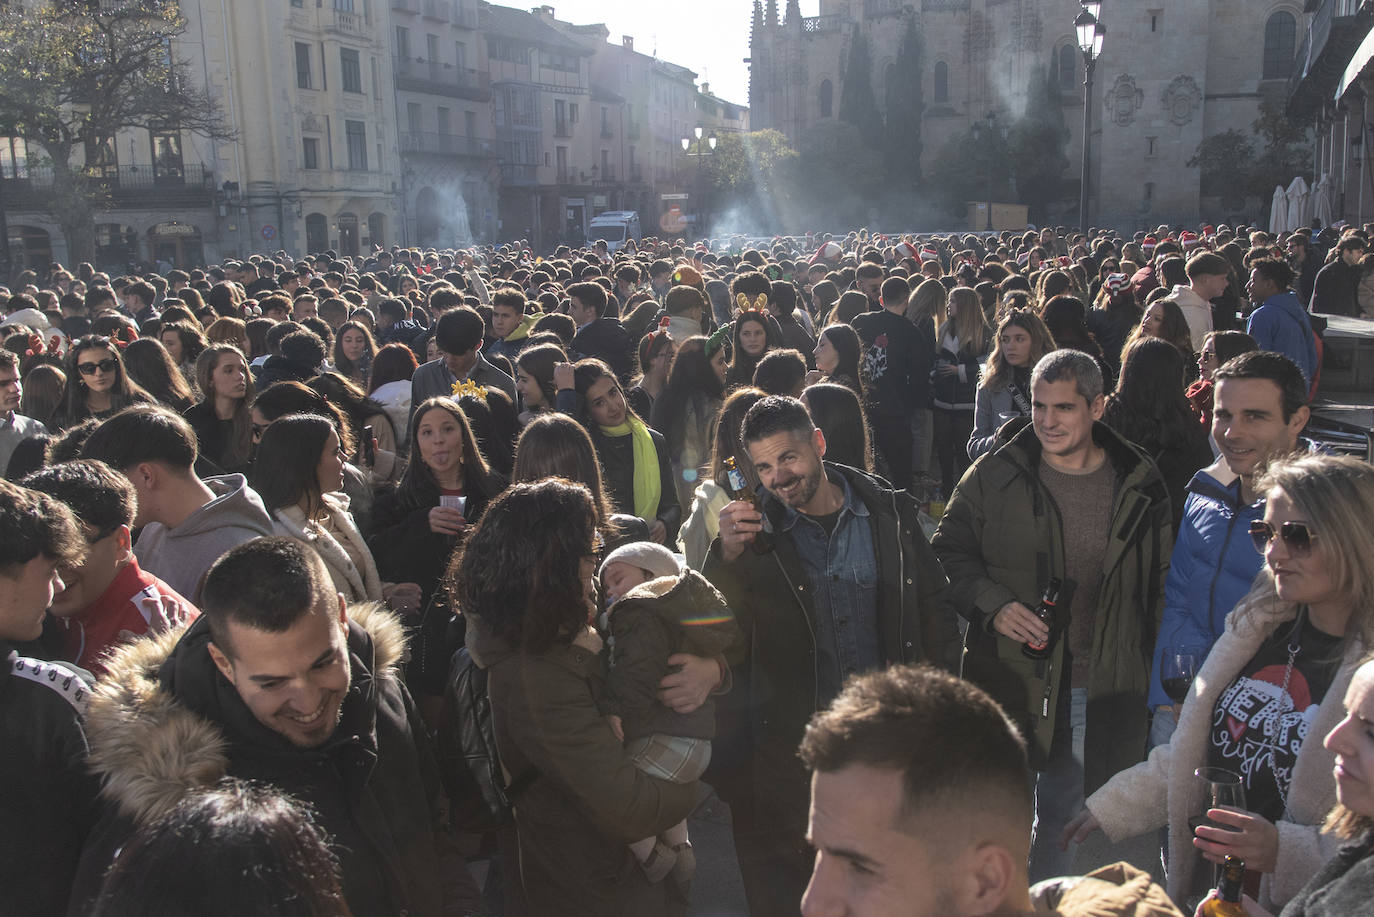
[708,36]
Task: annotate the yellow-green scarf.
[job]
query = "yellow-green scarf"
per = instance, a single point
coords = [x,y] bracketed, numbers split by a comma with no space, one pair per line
[648,486]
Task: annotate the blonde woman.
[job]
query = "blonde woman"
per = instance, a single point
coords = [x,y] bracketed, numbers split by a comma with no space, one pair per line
[1004,389]
[962,345]
[1270,688]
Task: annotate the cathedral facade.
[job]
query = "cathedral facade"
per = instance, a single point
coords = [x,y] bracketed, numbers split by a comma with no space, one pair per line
[1171,73]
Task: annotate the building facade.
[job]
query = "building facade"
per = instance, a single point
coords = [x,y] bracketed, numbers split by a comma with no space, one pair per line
[1171,73]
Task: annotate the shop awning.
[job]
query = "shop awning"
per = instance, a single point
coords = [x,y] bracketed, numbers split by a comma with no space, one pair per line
[1355,69]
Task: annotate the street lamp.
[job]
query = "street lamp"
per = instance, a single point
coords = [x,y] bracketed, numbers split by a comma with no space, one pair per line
[1090,36]
[687,145]
[995,132]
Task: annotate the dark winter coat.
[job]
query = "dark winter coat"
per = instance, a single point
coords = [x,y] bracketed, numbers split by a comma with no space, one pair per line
[1345,885]
[166,722]
[50,795]
[588,800]
[654,620]
[1002,539]
[777,690]
[606,339]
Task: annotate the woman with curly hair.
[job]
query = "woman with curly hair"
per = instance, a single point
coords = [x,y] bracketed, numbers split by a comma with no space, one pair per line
[525,582]
[184,342]
[1149,409]
[98,385]
[1165,320]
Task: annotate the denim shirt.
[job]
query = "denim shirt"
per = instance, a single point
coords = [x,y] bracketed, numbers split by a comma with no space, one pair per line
[842,568]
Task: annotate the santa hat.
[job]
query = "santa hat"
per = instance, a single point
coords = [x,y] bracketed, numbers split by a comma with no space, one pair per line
[1116,283]
[1209,230]
[1023,259]
[907,250]
[929,253]
[1189,239]
[1149,243]
[827,252]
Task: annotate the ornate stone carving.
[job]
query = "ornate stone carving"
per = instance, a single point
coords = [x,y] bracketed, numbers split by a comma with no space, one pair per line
[1123,100]
[1181,99]
[311,124]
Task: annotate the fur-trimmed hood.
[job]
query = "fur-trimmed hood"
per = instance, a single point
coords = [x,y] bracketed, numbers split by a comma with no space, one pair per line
[149,747]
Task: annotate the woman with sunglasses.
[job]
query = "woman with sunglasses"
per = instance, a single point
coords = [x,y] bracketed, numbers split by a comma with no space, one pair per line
[1270,688]
[1217,348]
[97,383]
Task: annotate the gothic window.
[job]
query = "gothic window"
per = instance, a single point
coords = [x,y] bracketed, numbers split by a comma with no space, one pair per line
[1280,34]
[1067,74]
[941,83]
[827,98]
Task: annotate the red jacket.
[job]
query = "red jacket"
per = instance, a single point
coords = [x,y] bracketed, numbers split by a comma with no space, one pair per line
[114,618]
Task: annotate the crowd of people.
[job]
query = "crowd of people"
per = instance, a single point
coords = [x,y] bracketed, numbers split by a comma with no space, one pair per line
[930,555]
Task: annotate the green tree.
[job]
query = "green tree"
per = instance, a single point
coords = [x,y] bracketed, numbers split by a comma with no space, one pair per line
[748,179]
[1037,145]
[905,106]
[1235,166]
[858,106]
[1225,160]
[74,73]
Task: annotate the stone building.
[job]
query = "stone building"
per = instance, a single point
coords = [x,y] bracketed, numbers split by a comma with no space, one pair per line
[1171,73]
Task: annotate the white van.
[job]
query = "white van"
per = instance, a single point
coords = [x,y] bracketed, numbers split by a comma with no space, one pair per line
[615,226]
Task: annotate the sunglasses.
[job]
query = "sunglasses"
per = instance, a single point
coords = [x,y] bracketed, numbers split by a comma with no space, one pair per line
[1297,537]
[104,366]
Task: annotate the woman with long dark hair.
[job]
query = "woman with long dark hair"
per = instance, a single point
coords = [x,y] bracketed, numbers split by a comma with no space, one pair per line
[151,366]
[223,418]
[1114,317]
[711,495]
[1163,319]
[98,385]
[754,334]
[184,342]
[837,358]
[554,445]
[354,350]
[495,424]
[1149,409]
[362,412]
[534,379]
[1004,389]
[686,411]
[839,414]
[299,473]
[656,351]
[525,582]
[389,385]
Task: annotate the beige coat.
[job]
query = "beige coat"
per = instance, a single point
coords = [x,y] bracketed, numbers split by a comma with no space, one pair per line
[1162,789]
[357,583]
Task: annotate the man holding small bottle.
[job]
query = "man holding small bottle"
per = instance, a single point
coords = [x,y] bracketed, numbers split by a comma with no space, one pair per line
[1065,499]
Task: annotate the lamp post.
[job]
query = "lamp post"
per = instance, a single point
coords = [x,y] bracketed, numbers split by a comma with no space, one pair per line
[1090,35]
[995,132]
[686,147]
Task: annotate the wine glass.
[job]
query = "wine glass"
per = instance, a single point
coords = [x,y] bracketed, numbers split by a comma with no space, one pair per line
[1177,669]
[1222,789]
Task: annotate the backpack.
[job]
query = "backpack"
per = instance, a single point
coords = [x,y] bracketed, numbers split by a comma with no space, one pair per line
[480,799]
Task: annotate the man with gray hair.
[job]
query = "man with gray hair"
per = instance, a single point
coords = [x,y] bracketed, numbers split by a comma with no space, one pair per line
[1064,500]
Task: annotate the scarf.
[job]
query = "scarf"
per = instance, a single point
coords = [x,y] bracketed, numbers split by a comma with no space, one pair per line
[648,487]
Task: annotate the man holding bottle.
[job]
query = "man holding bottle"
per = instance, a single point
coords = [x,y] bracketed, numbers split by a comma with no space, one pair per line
[1065,499]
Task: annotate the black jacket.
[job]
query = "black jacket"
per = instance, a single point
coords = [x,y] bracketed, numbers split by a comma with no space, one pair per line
[606,339]
[1336,291]
[165,722]
[895,363]
[50,796]
[1345,885]
[770,597]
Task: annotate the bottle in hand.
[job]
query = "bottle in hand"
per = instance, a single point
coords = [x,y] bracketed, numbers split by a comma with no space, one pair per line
[739,490]
[1227,902]
[1045,612]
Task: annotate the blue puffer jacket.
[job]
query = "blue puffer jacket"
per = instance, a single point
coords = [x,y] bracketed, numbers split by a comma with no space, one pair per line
[1213,566]
[1280,324]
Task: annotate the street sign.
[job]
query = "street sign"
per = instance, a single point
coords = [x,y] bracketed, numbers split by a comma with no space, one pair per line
[672,197]
[268,231]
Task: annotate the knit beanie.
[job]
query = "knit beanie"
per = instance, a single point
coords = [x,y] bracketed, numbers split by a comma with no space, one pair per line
[646,555]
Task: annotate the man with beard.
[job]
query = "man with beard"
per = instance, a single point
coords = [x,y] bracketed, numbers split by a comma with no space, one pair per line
[280,683]
[849,585]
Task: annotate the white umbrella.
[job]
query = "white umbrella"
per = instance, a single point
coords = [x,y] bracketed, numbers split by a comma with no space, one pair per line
[1299,207]
[1321,200]
[1278,211]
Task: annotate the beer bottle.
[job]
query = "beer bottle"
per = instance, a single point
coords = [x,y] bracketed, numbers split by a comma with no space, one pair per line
[1045,612]
[739,490]
[1227,903]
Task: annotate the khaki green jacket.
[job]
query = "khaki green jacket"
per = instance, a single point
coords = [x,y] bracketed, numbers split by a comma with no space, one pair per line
[1002,540]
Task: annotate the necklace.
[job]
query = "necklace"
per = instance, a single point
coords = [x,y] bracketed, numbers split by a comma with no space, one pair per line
[1294,646]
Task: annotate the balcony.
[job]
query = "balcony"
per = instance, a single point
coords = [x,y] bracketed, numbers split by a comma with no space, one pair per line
[814,25]
[132,186]
[1323,54]
[438,10]
[346,23]
[436,78]
[445,144]
[518,173]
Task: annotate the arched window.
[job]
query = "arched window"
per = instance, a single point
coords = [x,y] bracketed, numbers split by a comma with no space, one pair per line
[941,82]
[1068,68]
[1280,36]
[827,98]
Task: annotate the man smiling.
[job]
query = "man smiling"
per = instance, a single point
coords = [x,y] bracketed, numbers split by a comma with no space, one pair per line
[277,682]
